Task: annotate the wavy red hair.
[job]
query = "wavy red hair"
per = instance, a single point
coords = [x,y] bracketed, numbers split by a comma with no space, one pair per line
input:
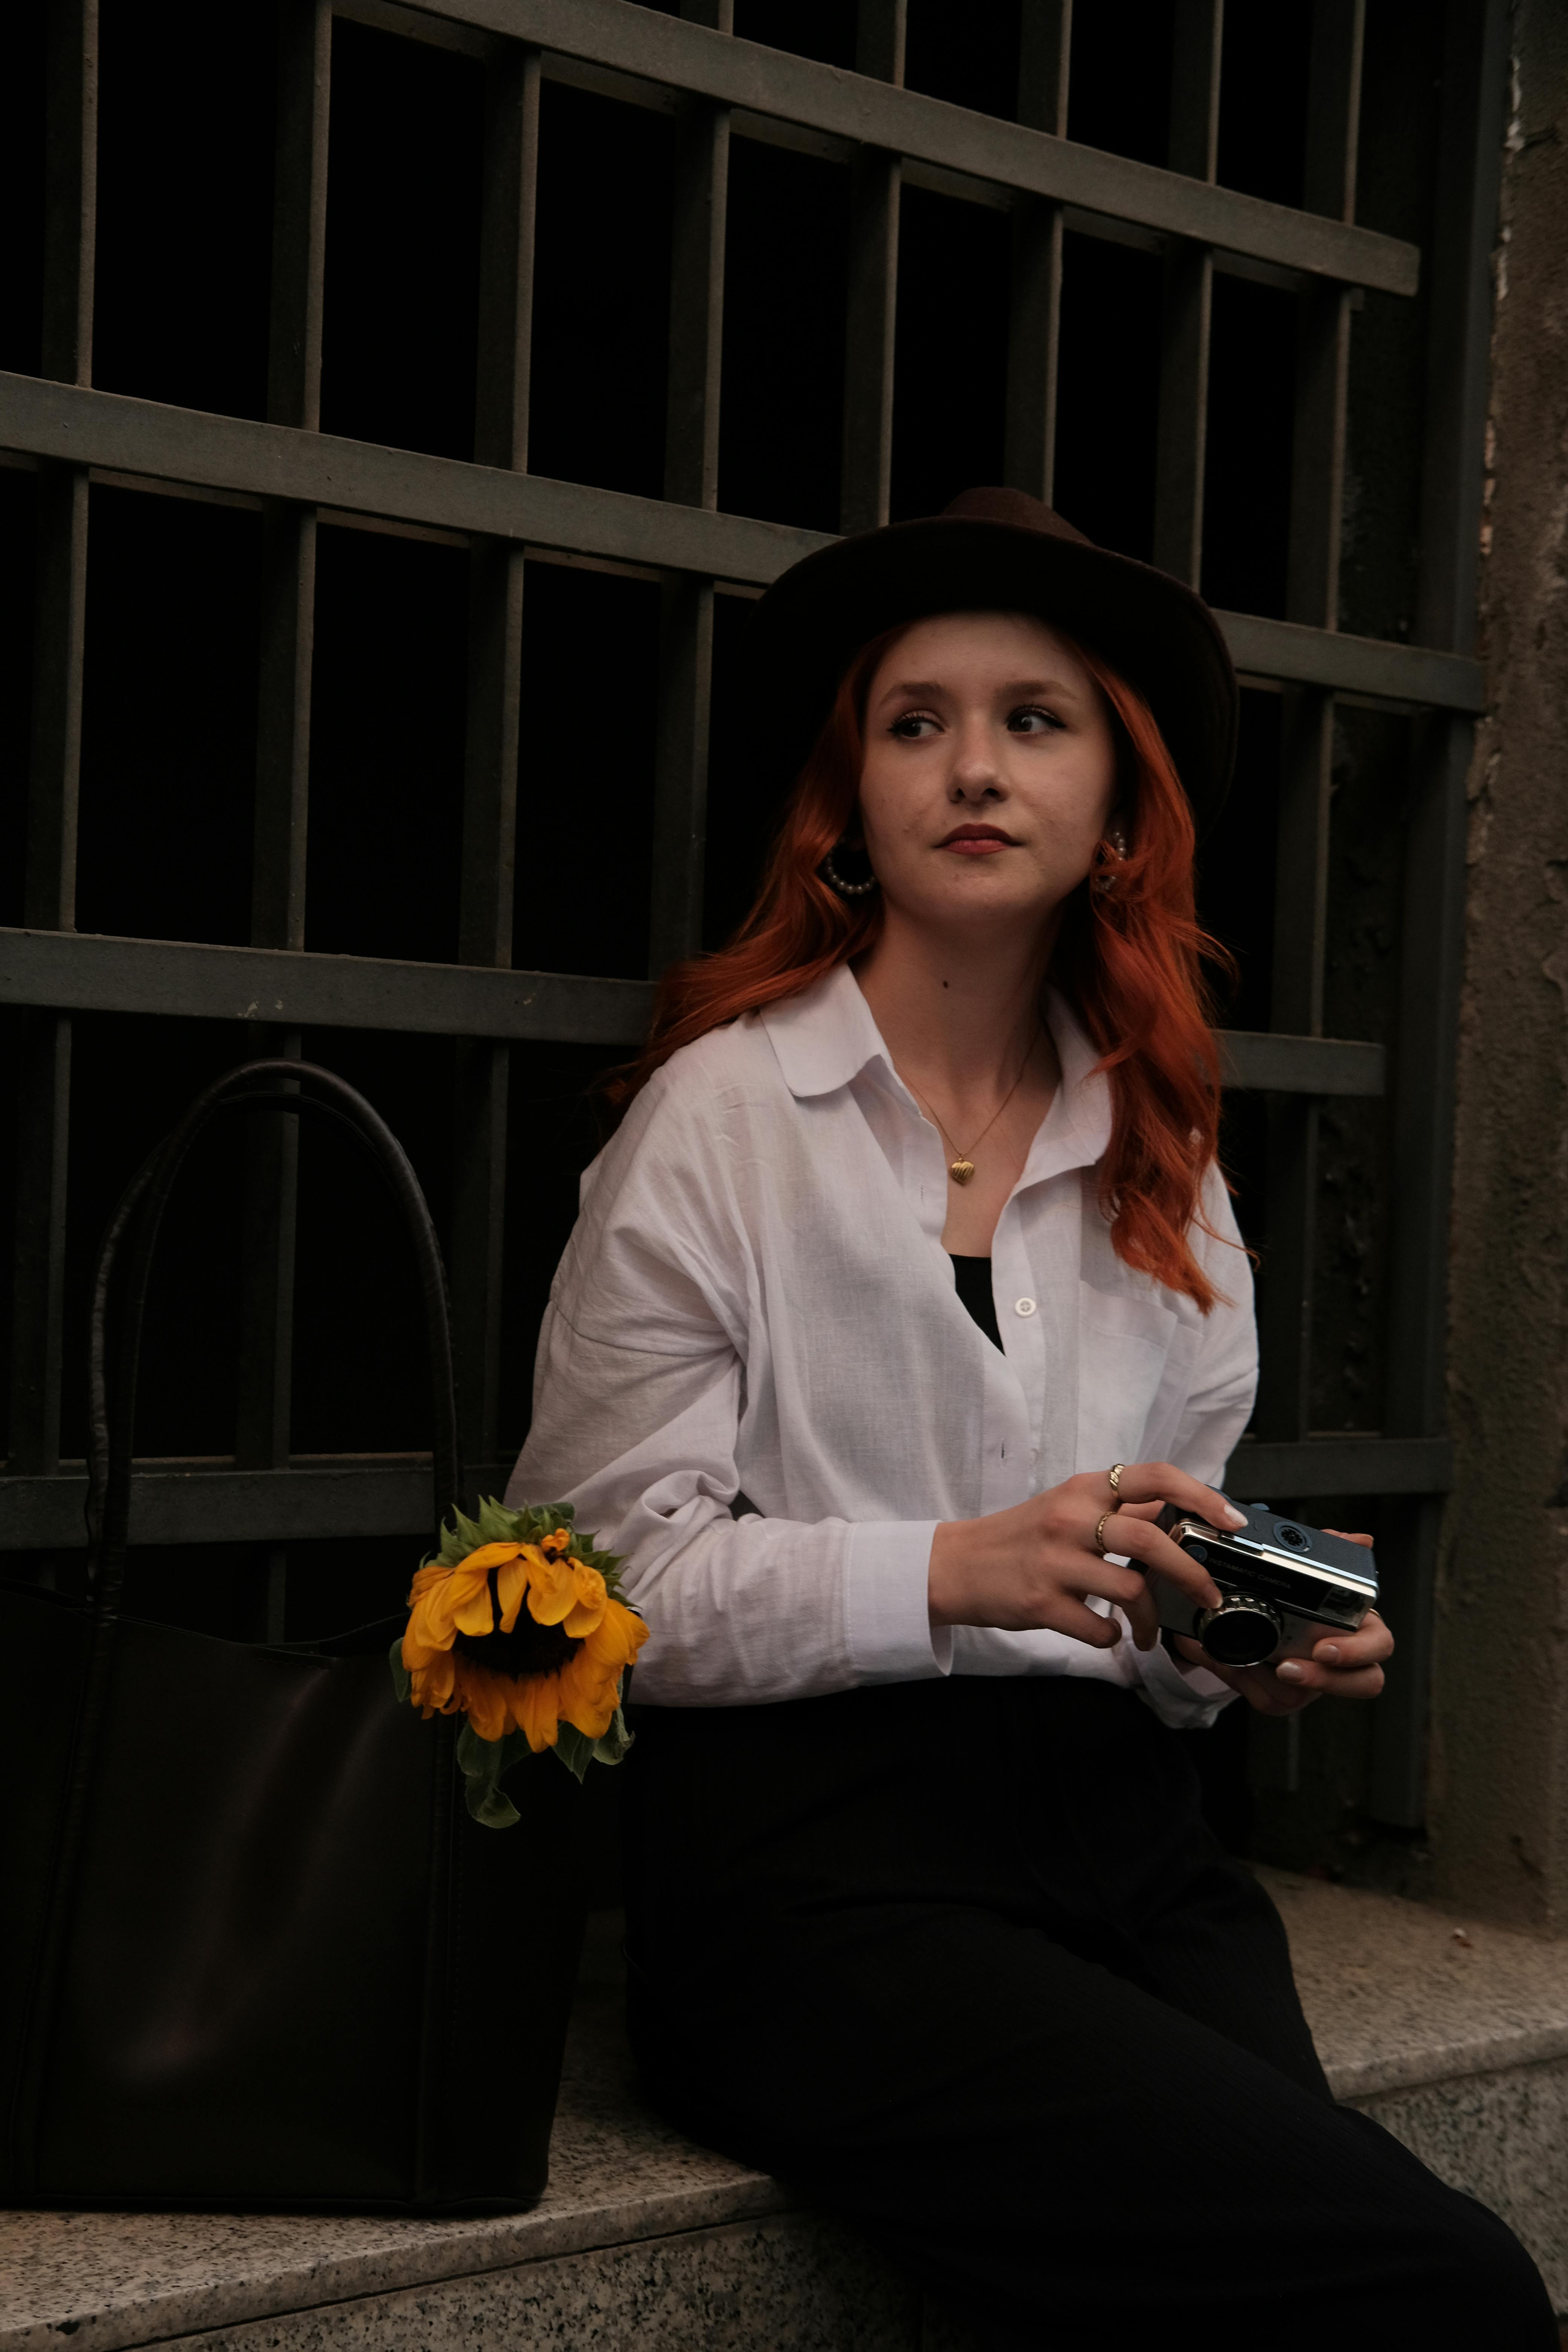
[1129,958]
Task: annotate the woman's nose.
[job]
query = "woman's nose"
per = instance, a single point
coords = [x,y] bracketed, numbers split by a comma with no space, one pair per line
[974,777]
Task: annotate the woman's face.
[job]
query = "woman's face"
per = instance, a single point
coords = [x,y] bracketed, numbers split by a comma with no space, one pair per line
[990,771]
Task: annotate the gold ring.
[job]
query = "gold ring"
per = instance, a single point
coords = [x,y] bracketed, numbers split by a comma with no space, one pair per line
[1100,1530]
[1114,1476]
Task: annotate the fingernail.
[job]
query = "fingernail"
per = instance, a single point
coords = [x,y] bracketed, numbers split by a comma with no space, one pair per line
[1328,1650]
[1234,1517]
[1289,1670]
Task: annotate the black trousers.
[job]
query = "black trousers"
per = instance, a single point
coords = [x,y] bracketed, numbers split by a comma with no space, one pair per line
[961,1959]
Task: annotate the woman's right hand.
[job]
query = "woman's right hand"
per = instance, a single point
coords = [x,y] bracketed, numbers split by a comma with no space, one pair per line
[1036,1565]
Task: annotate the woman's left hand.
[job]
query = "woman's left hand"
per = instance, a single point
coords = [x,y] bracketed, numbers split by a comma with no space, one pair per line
[1342,1665]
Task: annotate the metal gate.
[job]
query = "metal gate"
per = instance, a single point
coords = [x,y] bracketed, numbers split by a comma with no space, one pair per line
[721,89]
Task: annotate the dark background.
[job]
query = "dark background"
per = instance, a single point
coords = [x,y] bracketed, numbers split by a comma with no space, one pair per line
[185,168]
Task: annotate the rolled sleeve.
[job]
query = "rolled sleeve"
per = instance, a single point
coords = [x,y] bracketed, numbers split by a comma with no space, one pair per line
[887,1574]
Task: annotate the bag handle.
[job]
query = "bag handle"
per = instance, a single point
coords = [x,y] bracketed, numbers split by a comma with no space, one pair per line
[275,1085]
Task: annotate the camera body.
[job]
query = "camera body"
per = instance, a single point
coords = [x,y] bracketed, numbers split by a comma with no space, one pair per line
[1284,1586]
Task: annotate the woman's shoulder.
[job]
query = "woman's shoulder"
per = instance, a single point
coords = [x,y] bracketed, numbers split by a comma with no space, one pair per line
[730,1067]
[688,1112]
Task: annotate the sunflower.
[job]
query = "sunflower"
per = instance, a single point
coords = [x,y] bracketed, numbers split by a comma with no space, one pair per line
[520,1634]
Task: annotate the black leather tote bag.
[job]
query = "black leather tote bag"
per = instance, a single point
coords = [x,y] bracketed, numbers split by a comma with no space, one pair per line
[255,1953]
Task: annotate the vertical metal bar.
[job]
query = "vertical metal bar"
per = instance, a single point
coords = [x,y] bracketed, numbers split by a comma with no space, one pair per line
[43,1114]
[866,479]
[1475,70]
[1187,300]
[269,1207]
[491,760]
[692,477]
[1035,314]
[1308,719]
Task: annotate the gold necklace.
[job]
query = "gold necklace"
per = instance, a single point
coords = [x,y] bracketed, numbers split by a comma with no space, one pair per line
[960,1168]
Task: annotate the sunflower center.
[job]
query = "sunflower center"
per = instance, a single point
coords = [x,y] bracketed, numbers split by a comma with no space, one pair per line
[529,1649]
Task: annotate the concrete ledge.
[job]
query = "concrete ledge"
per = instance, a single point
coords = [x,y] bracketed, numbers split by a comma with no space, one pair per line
[1452,2035]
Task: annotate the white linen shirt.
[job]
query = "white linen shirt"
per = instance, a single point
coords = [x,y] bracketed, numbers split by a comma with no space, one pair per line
[755,1302]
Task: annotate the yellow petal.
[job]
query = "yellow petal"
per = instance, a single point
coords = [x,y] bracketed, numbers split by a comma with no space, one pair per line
[476,1615]
[510,1586]
[551,1590]
[587,1611]
[540,1710]
[588,1699]
[431,1685]
[488,1556]
[486,1698]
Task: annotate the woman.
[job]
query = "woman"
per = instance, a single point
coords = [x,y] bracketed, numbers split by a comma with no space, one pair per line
[906,1294]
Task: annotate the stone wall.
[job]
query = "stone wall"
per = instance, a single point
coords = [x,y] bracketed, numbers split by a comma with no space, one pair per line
[1499,1795]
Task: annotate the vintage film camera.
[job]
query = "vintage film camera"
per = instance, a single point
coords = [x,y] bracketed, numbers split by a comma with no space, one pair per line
[1284,1587]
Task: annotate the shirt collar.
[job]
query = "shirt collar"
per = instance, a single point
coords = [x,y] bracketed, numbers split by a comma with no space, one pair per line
[825,1037]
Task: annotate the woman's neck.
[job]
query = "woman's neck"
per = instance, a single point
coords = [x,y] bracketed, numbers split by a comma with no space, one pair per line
[960,1011]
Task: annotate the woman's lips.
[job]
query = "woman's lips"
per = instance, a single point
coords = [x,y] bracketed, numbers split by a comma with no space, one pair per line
[977,840]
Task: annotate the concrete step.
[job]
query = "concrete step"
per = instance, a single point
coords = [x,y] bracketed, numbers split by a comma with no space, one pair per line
[1454,2035]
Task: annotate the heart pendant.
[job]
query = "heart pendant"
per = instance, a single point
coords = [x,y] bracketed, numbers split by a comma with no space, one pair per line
[961,1171]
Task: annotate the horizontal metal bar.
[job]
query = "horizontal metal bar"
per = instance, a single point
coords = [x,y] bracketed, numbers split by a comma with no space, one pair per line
[1299,656]
[1259,1471]
[176,1503]
[1266,1062]
[173,1503]
[233,454]
[689,57]
[180,980]
[87,971]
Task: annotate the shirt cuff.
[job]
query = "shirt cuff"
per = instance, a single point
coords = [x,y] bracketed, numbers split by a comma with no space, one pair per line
[1186,1698]
[888,1580]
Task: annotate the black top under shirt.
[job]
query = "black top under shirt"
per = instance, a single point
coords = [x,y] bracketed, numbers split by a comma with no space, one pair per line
[972,1278]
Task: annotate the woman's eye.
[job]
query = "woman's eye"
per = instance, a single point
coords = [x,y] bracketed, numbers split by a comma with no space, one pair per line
[913,727]
[1032,721]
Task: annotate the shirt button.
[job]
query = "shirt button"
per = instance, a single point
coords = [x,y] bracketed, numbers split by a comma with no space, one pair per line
[1023,1306]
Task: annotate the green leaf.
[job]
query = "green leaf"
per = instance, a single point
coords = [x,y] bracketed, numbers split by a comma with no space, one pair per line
[612,1745]
[402,1681]
[492,1806]
[574,1749]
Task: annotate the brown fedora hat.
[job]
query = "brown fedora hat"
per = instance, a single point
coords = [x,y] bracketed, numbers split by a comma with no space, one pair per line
[998,551]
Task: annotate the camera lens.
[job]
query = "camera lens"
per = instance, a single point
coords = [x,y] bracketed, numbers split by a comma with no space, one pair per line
[1239,1632]
[1295,1538]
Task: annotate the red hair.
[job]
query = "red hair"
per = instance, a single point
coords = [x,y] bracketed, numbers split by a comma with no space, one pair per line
[1128,957]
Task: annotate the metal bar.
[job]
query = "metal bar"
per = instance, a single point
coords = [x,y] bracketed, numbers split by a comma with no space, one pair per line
[190,979]
[1264,1061]
[486,895]
[174,1502]
[867,468]
[43,1108]
[1301,867]
[1339,1465]
[1475,71]
[269,1203]
[1304,655]
[877,113]
[1034,337]
[691,479]
[235,455]
[1187,303]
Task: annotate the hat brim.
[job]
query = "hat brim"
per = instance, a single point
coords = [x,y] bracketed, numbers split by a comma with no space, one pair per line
[1161,637]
